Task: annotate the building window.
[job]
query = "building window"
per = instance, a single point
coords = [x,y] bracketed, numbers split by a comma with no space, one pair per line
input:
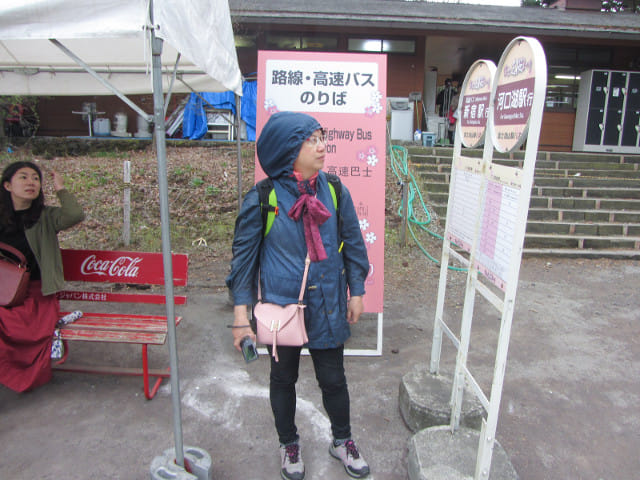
[563,73]
[294,41]
[245,41]
[378,45]
[562,87]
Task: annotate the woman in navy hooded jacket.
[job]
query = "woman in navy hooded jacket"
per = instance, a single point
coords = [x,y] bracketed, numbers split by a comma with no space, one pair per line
[291,151]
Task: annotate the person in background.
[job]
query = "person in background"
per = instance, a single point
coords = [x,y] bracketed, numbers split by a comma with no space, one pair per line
[443,99]
[453,117]
[26,223]
[291,151]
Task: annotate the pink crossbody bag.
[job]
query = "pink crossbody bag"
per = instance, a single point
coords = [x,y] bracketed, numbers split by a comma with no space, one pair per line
[278,325]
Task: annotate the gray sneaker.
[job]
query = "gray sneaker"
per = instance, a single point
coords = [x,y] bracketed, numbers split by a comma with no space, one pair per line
[292,464]
[353,462]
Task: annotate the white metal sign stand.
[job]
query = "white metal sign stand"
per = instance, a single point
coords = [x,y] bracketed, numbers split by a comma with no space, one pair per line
[464,188]
[500,215]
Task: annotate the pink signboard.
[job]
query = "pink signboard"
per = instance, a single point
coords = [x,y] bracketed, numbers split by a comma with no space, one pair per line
[346,93]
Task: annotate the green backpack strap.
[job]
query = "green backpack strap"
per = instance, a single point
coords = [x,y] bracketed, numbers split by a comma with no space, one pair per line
[268,204]
[335,187]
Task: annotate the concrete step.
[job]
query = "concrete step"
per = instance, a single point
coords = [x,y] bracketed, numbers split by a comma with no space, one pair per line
[577,228]
[543,168]
[548,177]
[429,187]
[591,192]
[541,240]
[581,182]
[519,155]
[622,204]
[582,253]
[611,216]
[419,162]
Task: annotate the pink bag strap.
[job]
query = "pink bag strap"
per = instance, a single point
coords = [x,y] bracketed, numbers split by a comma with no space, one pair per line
[307,262]
[16,252]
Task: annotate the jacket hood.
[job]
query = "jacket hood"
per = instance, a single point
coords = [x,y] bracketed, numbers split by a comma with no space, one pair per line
[281,139]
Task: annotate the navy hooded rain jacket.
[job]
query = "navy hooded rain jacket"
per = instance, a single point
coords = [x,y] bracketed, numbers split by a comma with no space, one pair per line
[280,256]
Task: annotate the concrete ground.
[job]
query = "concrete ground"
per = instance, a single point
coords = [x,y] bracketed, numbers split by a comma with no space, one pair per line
[570,408]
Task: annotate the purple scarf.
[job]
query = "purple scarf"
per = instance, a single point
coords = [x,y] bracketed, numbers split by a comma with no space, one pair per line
[313,214]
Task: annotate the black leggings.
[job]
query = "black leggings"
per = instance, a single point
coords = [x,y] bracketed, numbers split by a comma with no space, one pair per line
[329,370]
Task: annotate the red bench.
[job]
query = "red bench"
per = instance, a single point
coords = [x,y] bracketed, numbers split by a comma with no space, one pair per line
[137,270]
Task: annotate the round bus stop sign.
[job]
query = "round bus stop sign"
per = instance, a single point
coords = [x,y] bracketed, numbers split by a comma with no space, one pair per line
[474,103]
[519,84]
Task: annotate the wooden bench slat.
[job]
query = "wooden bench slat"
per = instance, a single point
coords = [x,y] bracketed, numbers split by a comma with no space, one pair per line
[123,323]
[151,338]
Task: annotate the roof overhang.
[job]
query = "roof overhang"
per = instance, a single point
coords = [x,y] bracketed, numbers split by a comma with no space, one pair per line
[439,17]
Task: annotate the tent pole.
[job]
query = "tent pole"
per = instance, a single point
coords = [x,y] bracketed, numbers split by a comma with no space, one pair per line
[173,79]
[161,151]
[239,154]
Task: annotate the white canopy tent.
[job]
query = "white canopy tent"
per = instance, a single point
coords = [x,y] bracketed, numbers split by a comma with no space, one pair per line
[98,47]
[111,36]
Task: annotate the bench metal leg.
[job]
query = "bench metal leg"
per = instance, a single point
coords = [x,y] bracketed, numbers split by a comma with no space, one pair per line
[145,376]
[146,373]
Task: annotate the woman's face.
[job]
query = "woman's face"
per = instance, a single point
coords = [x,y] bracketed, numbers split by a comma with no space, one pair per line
[311,157]
[24,187]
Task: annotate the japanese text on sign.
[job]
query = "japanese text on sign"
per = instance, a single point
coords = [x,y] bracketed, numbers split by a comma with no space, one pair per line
[337,86]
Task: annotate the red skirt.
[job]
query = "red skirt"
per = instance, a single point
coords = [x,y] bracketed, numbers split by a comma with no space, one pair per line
[26,332]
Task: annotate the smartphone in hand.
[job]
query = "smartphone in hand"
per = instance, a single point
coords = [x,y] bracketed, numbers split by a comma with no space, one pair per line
[249,351]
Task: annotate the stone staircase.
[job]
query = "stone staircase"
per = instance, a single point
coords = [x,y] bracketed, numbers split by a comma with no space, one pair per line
[584,205]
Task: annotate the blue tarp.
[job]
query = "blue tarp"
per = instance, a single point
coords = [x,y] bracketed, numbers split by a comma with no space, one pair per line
[194,123]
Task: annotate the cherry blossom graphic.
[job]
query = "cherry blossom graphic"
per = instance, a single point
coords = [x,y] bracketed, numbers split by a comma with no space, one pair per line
[375,107]
[372,160]
[270,106]
[362,156]
[364,224]
[370,238]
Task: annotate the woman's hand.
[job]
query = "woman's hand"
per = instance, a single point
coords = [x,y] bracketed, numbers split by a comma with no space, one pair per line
[355,309]
[240,319]
[58,181]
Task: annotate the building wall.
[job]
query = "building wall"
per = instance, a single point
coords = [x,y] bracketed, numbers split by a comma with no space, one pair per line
[57,117]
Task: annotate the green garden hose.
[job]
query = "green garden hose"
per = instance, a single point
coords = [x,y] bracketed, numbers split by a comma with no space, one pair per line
[400,166]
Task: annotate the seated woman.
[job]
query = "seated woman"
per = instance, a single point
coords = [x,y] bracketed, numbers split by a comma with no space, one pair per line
[26,330]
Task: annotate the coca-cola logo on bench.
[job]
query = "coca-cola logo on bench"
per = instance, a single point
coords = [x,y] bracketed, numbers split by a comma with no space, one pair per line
[120,267]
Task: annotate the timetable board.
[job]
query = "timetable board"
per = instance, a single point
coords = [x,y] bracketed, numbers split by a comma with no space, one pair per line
[498,221]
[465,190]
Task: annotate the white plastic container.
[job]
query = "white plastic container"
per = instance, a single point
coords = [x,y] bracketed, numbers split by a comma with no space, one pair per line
[120,125]
[101,127]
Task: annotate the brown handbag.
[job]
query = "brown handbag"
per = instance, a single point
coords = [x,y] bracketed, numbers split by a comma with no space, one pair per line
[14,277]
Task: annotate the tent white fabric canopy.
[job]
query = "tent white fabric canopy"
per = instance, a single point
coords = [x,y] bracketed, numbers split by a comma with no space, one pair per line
[72,47]
[110,37]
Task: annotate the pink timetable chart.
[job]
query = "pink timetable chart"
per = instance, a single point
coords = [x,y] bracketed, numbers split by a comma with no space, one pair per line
[498,222]
[466,182]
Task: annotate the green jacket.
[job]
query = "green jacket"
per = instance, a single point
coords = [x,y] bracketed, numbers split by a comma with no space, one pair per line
[43,239]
